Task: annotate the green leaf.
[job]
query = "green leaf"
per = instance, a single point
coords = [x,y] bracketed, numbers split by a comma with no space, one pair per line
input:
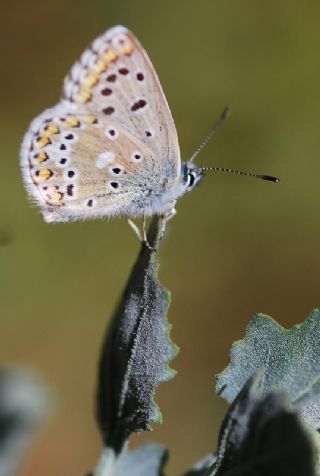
[263,436]
[148,460]
[201,467]
[290,357]
[136,353]
[24,405]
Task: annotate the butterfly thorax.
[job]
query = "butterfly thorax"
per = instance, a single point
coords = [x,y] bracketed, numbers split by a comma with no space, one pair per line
[163,202]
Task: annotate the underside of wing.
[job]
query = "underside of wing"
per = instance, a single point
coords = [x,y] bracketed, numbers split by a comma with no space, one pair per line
[79,166]
[116,78]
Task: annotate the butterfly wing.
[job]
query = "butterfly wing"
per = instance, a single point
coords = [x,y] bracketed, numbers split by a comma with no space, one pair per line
[113,87]
[115,76]
[83,166]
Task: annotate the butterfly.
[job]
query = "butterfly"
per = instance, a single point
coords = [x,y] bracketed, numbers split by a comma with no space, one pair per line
[110,146]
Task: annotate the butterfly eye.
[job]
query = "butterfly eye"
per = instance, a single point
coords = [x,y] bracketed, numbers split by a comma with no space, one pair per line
[190,179]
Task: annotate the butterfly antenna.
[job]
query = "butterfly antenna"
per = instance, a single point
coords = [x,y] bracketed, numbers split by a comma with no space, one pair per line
[270,178]
[212,131]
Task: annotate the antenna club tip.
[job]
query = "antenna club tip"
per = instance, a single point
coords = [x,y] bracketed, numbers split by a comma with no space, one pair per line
[271,179]
[226,112]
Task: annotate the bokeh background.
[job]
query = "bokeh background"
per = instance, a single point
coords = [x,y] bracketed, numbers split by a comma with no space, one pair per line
[237,246]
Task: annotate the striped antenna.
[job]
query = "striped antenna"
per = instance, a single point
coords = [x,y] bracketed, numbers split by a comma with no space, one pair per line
[212,131]
[270,178]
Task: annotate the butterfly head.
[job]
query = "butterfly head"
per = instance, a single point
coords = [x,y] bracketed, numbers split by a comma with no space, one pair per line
[191,175]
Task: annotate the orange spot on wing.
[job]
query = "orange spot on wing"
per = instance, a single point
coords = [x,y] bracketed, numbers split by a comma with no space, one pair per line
[72,122]
[90,80]
[42,141]
[55,198]
[99,66]
[43,174]
[83,96]
[90,119]
[109,56]
[51,129]
[41,157]
[126,48]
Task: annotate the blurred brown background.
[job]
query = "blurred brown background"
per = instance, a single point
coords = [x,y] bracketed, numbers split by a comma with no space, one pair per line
[236,247]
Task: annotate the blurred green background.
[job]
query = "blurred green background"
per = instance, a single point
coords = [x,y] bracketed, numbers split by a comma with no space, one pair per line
[236,247]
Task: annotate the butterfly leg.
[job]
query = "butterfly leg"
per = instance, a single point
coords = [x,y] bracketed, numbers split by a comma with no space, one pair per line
[136,230]
[144,231]
[165,218]
[141,236]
